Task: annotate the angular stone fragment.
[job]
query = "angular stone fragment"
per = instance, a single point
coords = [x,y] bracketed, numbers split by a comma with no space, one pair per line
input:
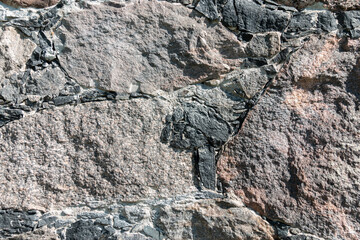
[327,21]
[158,44]
[264,45]
[208,8]
[47,82]
[97,150]
[297,157]
[245,83]
[30,3]
[15,222]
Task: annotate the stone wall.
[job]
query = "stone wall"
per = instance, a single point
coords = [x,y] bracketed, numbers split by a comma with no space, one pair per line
[179,120]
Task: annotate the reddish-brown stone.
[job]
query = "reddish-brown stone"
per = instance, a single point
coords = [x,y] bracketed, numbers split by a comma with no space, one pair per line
[297,157]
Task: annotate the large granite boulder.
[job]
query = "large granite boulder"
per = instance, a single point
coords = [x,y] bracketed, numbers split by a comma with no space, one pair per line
[296,156]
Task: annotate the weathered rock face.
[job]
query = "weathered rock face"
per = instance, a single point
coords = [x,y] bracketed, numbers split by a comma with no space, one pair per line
[158,45]
[296,157]
[30,3]
[142,119]
[64,156]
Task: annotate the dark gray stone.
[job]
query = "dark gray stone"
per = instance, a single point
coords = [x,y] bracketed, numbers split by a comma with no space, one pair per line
[208,195]
[252,17]
[62,100]
[300,23]
[254,62]
[86,230]
[61,223]
[195,136]
[207,121]
[103,221]
[327,21]
[207,167]
[8,115]
[350,21]
[208,8]
[15,222]
[282,55]
[93,95]
[228,11]
[195,126]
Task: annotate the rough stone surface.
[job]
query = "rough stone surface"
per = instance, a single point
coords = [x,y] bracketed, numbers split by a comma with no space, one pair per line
[14,51]
[296,157]
[157,44]
[184,217]
[30,3]
[264,45]
[102,150]
[114,116]
[209,219]
[249,12]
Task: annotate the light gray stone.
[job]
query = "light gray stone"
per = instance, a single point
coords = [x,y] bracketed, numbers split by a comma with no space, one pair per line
[15,50]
